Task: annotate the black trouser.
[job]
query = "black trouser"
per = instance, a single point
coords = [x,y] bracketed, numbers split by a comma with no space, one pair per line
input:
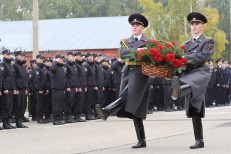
[209,97]
[19,104]
[32,103]
[79,102]
[98,95]
[117,89]
[168,102]
[40,104]
[218,95]
[6,100]
[58,97]
[227,99]
[69,102]
[106,96]
[89,97]
[48,104]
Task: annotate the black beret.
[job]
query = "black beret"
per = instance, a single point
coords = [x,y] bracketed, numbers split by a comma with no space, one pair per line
[196,17]
[218,60]
[40,56]
[95,55]
[79,54]
[103,60]
[138,18]
[113,60]
[46,60]
[71,53]
[59,56]
[6,51]
[17,53]
[88,54]
[33,61]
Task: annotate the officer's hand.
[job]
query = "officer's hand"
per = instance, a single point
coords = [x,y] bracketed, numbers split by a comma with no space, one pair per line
[227,86]
[15,92]
[151,87]
[0,93]
[218,85]
[158,87]
[40,92]
[79,90]
[103,89]
[85,89]
[120,60]
[96,88]
[114,89]
[5,91]
[26,92]
[68,89]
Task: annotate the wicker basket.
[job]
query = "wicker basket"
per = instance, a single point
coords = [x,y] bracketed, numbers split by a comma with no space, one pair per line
[157,71]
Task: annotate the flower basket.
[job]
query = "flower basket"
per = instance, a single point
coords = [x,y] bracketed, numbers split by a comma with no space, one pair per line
[157,71]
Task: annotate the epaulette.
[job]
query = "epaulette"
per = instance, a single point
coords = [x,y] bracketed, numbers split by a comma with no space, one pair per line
[123,43]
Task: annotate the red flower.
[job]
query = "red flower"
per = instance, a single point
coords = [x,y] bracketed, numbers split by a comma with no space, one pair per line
[177,63]
[153,51]
[170,57]
[182,47]
[145,41]
[184,61]
[140,54]
[173,43]
[160,47]
[155,42]
[158,57]
[169,45]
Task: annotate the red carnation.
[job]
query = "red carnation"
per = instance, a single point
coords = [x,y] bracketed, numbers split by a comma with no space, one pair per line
[184,61]
[158,57]
[170,57]
[173,43]
[155,42]
[153,51]
[182,47]
[177,63]
[140,53]
[169,45]
[160,47]
[145,41]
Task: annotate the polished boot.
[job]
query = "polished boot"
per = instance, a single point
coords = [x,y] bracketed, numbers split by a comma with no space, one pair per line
[19,123]
[68,118]
[179,90]
[139,127]
[42,121]
[78,118]
[57,121]
[6,124]
[198,133]
[110,109]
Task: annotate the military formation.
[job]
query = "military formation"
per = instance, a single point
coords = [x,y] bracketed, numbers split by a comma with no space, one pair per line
[66,90]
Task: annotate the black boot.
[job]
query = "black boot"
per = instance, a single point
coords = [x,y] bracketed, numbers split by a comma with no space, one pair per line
[68,118]
[179,90]
[198,133]
[19,123]
[78,118]
[110,109]
[6,124]
[138,123]
[1,128]
[57,121]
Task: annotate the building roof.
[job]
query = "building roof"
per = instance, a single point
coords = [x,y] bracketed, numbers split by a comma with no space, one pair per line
[66,34]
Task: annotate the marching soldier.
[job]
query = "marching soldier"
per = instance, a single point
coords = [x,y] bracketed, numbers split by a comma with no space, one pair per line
[8,88]
[21,80]
[193,84]
[72,84]
[40,83]
[58,85]
[91,86]
[81,90]
[133,99]
[32,98]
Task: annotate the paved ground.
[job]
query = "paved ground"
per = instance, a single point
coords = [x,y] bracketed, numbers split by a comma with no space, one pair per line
[169,133]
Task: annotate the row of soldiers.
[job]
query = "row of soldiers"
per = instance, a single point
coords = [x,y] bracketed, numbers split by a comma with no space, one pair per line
[59,88]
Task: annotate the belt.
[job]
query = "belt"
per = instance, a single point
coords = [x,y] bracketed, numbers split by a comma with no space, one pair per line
[197,66]
[133,63]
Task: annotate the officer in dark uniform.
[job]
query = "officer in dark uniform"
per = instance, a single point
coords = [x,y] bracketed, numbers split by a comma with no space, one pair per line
[225,85]
[99,76]
[8,88]
[229,75]
[209,95]
[32,98]
[107,81]
[193,84]
[133,100]
[219,77]
[40,83]
[58,85]
[21,80]
[81,89]
[1,69]
[91,86]
[48,97]
[117,67]
[72,84]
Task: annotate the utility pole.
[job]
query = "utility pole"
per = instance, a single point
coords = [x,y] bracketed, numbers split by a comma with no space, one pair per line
[35,29]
